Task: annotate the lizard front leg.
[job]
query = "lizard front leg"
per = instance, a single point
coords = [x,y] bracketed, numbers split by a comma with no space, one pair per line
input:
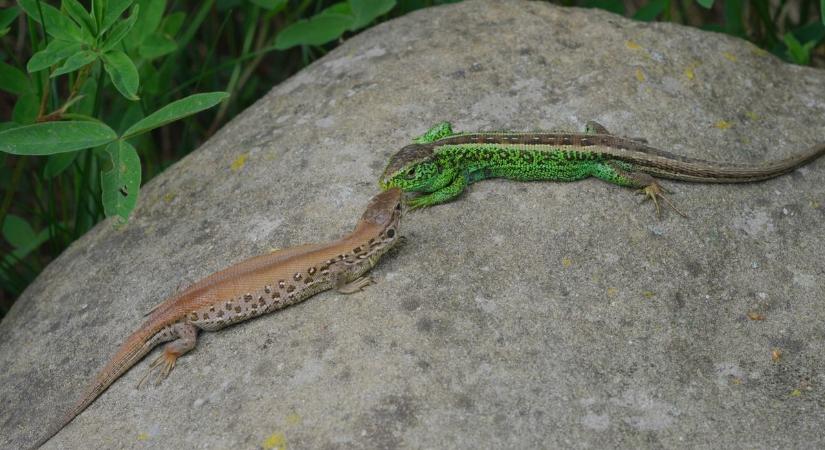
[436,132]
[442,195]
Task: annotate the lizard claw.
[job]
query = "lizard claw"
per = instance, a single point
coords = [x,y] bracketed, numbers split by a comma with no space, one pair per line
[655,191]
[161,367]
[416,203]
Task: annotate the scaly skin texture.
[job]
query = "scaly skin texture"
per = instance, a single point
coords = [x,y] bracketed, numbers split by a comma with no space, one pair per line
[256,286]
[441,163]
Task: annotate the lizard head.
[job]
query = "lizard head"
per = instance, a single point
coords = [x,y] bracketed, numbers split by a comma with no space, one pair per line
[415,169]
[383,217]
[384,209]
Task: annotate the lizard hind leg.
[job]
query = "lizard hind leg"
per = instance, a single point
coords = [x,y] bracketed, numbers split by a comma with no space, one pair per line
[187,337]
[623,174]
[593,127]
[654,191]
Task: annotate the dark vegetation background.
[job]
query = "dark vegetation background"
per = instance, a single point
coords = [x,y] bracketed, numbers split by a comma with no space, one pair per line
[170,50]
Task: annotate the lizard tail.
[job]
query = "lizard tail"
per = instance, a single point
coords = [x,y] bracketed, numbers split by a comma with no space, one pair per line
[688,169]
[133,350]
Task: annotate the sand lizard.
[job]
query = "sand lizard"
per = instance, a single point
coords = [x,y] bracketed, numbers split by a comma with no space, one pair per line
[441,163]
[253,287]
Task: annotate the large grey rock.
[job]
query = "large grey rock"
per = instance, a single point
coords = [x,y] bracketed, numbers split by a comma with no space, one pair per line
[522,315]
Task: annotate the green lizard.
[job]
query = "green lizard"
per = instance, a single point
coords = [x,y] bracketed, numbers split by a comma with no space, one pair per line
[441,163]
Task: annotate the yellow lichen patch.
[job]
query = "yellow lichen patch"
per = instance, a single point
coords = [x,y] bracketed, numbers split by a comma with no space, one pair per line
[796,393]
[640,76]
[814,204]
[143,436]
[632,45]
[776,355]
[752,115]
[753,315]
[169,197]
[729,56]
[293,418]
[611,292]
[238,163]
[276,441]
[648,294]
[566,262]
[690,71]
[722,124]
[759,52]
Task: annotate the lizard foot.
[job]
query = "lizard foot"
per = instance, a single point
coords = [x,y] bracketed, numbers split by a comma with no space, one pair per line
[417,203]
[355,285]
[160,367]
[655,191]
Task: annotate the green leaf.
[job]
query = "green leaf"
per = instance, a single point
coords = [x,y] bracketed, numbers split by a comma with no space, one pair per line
[98,13]
[77,12]
[822,10]
[75,62]
[114,9]
[123,73]
[614,6]
[56,24]
[274,6]
[172,23]
[132,114]
[86,105]
[651,10]
[156,45]
[57,163]
[14,80]
[17,231]
[318,30]
[799,53]
[8,125]
[12,258]
[705,3]
[733,23]
[338,8]
[365,11]
[174,111]
[151,13]
[26,108]
[7,16]
[152,80]
[120,30]
[120,180]
[57,51]
[48,138]
[21,236]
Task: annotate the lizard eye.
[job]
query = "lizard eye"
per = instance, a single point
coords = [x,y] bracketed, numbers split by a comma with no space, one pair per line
[411,173]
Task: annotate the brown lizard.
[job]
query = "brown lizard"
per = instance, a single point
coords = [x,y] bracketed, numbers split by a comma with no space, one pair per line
[253,287]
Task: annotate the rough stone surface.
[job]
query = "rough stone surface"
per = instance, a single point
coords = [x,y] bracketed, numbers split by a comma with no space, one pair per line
[524,315]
